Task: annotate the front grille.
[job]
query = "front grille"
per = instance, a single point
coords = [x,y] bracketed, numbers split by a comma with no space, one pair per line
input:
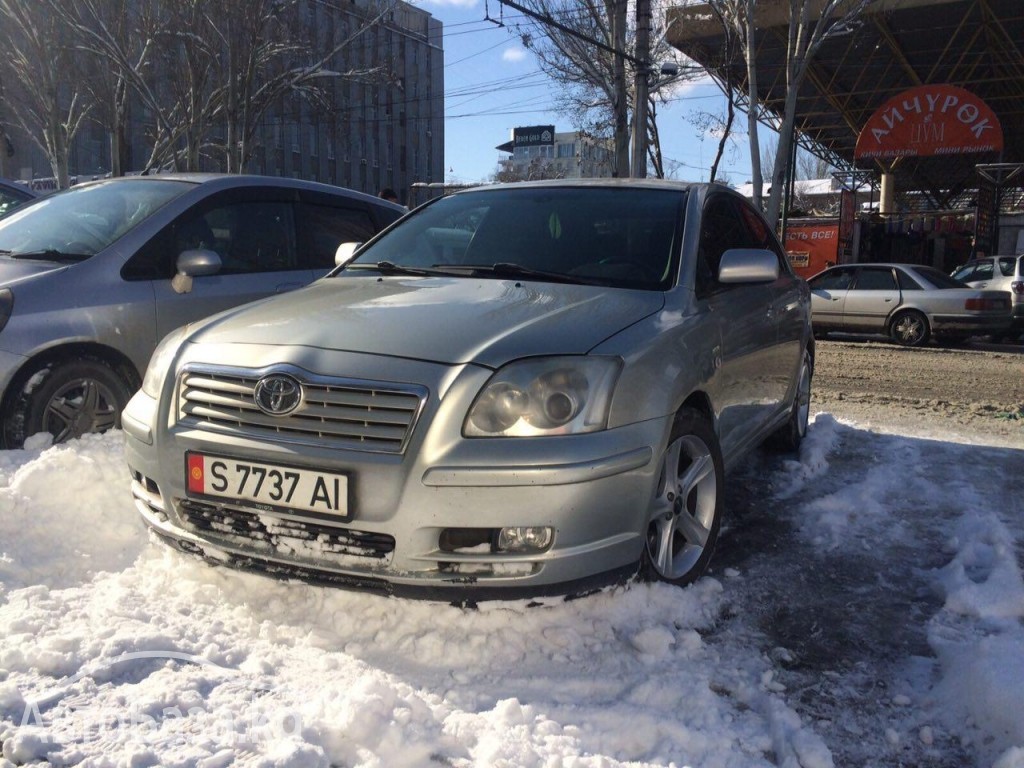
[288,537]
[341,413]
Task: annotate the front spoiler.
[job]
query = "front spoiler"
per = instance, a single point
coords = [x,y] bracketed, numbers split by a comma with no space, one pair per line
[463,591]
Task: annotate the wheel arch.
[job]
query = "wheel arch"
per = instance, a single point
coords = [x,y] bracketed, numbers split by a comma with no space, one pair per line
[115,360]
[700,402]
[903,309]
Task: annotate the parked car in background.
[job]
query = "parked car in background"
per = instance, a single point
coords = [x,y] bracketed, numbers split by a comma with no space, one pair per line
[13,195]
[909,303]
[1004,273]
[517,389]
[93,277]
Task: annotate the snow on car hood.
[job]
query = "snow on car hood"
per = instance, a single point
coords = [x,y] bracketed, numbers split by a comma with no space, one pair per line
[438,319]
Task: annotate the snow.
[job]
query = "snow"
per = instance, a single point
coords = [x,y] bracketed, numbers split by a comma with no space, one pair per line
[117,651]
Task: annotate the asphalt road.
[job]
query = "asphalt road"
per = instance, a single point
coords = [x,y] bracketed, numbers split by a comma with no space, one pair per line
[977,390]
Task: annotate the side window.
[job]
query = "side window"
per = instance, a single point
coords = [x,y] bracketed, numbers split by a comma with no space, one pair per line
[762,236]
[983,271]
[8,202]
[833,280]
[323,228]
[875,280]
[1006,267]
[249,236]
[965,273]
[907,283]
[721,229]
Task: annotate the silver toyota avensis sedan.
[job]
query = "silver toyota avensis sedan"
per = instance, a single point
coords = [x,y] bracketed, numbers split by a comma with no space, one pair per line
[515,390]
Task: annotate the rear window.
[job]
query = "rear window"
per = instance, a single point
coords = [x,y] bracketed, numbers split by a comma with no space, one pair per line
[937,278]
[1007,265]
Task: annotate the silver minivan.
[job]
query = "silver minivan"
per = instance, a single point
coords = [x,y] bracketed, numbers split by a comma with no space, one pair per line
[93,277]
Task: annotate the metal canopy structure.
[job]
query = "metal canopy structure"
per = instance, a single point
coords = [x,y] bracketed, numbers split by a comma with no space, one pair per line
[977,45]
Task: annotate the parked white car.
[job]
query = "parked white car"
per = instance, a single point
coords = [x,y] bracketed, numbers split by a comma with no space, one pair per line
[909,303]
[1004,273]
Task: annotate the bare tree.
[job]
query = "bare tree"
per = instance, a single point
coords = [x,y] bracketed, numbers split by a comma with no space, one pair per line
[810,23]
[579,54]
[40,58]
[137,45]
[808,166]
[118,39]
[263,60]
[205,72]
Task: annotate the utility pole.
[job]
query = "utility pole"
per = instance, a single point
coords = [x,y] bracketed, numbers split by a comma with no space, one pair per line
[641,88]
[617,15]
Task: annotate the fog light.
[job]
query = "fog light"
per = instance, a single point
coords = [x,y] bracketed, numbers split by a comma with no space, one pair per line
[533,539]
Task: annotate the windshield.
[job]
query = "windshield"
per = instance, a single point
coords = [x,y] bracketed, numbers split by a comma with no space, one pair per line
[79,222]
[620,236]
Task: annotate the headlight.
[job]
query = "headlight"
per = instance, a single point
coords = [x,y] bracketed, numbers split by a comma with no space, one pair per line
[545,396]
[161,360]
[6,306]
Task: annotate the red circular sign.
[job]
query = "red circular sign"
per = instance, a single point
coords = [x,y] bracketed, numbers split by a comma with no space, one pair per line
[930,120]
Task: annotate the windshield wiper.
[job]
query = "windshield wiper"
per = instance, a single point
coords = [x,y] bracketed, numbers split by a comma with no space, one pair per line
[48,254]
[509,269]
[52,254]
[390,268]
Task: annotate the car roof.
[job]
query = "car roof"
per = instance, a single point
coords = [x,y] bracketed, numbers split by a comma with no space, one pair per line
[236,180]
[668,184]
[16,187]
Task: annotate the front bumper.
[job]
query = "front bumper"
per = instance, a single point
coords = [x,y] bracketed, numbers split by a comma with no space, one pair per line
[593,489]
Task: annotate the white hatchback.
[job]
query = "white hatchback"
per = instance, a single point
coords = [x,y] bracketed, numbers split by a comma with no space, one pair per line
[1004,273]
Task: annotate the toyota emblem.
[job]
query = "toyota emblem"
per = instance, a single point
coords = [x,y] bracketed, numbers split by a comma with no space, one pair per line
[278,394]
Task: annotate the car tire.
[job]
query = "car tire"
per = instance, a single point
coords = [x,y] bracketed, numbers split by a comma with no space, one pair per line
[686,510]
[789,436]
[909,328]
[66,399]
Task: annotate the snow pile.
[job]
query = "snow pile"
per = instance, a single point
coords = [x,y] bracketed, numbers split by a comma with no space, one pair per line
[115,651]
[65,513]
[979,637]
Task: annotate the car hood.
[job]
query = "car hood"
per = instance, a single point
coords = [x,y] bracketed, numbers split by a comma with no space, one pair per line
[15,270]
[443,320]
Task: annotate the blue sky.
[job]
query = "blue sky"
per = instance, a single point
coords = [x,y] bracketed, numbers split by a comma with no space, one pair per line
[493,84]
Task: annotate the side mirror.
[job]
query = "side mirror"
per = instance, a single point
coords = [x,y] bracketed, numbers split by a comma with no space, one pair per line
[345,253]
[748,265]
[194,263]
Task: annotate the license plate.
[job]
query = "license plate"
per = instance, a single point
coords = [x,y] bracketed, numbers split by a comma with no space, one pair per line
[267,486]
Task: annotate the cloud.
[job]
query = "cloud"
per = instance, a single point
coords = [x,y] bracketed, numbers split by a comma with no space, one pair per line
[514,54]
